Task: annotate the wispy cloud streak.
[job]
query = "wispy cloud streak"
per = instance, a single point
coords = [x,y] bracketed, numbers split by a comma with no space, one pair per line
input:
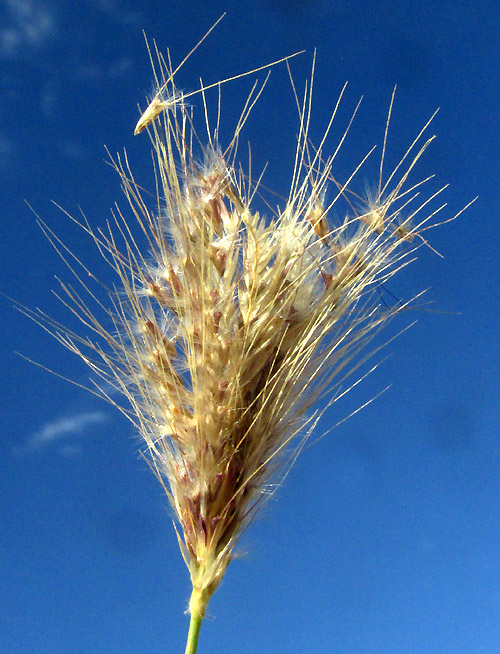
[29,25]
[61,428]
[66,426]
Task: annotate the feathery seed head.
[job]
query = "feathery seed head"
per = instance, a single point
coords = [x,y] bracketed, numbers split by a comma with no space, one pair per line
[234,324]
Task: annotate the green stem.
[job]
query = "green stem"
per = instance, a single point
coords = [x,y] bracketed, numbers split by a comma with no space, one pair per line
[194,632]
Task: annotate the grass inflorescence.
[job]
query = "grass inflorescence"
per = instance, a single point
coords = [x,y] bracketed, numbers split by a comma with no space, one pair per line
[224,331]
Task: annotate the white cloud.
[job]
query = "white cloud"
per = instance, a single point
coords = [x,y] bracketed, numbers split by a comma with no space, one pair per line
[60,430]
[31,25]
[63,426]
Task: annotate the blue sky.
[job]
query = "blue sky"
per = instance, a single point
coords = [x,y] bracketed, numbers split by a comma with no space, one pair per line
[386,536]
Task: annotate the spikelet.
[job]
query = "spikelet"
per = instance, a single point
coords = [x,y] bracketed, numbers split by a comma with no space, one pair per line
[230,324]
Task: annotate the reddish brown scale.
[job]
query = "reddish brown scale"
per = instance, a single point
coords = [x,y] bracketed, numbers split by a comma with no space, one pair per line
[214,522]
[215,215]
[173,280]
[202,529]
[160,294]
[327,279]
[217,315]
[223,386]
[218,258]
[219,480]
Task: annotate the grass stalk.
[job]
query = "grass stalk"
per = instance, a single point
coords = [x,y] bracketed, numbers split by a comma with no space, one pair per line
[194,633]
